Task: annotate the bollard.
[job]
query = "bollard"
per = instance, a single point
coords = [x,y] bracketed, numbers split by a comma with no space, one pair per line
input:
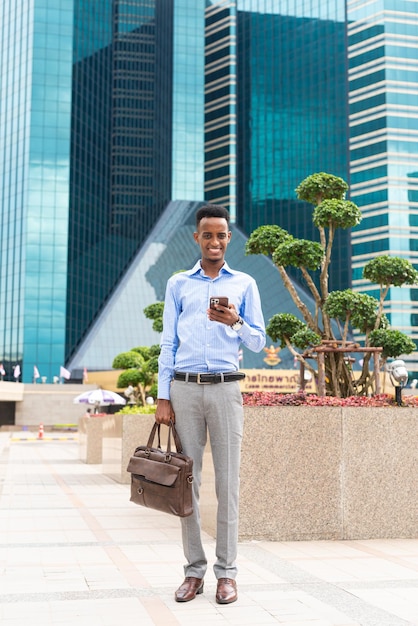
[41,431]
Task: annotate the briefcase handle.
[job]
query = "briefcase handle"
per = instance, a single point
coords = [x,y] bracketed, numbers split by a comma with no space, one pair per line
[171,430]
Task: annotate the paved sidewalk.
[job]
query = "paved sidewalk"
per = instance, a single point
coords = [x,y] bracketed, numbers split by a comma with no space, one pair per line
[75,551]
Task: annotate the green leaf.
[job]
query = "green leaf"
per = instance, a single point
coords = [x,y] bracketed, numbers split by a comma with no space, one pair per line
[387,270]
[126,360]
[155,312]
[321,186]
[265,239]
[129,377]
[299,253]
[360,308]
[283,325]
[305,338]
[137,409]
[144,351]
[393,342]
[338,213]
[155,350]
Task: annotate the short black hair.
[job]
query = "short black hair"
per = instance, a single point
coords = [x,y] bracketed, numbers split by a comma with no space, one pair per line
[211,210]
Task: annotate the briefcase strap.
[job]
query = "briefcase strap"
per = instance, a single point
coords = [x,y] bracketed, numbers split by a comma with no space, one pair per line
[156,429]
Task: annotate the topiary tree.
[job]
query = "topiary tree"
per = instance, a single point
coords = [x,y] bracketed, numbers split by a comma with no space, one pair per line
[393,342]
[126,360]
[349,308]
[321,186]
[386,271]
[155,312]
[140,367]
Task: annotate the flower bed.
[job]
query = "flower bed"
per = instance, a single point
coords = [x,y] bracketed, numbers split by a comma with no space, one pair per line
[262,398]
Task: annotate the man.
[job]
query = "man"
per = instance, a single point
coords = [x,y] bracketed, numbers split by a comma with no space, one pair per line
[198,388]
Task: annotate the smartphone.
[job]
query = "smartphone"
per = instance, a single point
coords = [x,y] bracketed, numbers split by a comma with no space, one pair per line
[213,302]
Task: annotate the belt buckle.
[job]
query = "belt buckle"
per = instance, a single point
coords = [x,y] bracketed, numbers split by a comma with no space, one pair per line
[202,382]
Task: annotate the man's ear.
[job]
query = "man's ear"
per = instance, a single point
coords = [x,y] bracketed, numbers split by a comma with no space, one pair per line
[196,237]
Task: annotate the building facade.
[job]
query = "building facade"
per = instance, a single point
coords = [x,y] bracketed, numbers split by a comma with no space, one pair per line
[110,110]
[90,97]
[35,133]
[383,81]
[276,111]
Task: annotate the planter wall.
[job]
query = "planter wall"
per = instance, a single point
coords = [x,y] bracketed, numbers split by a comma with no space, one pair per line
[380,470]
[307,473]
[329,473]
[90,439]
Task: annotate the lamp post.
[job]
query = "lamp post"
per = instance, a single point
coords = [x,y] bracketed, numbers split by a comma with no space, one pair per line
[399,377]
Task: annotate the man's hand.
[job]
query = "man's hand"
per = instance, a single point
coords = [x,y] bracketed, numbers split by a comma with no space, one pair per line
[164,413]
[224,314]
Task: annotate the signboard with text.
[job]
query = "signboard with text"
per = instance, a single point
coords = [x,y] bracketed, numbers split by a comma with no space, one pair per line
[277,380]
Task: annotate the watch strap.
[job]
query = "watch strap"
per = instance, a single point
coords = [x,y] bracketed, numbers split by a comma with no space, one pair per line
[238,324]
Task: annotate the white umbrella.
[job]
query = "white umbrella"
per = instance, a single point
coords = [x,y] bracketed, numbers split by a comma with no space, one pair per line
[99,397]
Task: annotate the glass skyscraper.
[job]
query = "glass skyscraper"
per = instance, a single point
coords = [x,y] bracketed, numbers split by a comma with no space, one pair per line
[110,110]
[92,105]
[276,111]
[120,160]
[383,80]
[35,171]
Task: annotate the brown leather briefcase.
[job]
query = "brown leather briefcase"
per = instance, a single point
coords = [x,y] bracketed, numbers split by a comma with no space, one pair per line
[162,480]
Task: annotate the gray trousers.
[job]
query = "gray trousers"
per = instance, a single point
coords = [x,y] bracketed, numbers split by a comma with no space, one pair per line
[215,409]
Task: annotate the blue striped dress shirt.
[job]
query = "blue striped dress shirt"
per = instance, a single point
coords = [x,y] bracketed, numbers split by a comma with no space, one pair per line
[190,341]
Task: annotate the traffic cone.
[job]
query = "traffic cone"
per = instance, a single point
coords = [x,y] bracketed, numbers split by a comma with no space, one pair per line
[41,431]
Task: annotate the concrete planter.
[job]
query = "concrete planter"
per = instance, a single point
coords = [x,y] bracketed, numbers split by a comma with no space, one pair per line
[307,473]
[329,473]
[90,439]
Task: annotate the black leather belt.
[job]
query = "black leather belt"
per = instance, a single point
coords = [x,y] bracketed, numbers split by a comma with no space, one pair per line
[207,378]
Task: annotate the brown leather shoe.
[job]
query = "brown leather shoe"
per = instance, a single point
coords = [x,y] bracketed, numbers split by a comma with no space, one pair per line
[189,589]
[226,591]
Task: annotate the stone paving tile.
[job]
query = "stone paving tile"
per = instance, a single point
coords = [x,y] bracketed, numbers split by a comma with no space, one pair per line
[74,550]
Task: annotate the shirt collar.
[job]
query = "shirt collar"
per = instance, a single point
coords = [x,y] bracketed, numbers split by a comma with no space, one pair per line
[197,269]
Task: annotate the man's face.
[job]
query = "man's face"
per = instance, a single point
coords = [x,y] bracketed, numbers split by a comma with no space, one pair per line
[213,237]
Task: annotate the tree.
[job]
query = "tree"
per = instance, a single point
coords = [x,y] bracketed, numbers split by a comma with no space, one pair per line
[387,271]
[140,367]
[349,308]
[155,312]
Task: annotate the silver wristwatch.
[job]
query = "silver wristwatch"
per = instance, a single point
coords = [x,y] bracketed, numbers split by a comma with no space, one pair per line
[238,324]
